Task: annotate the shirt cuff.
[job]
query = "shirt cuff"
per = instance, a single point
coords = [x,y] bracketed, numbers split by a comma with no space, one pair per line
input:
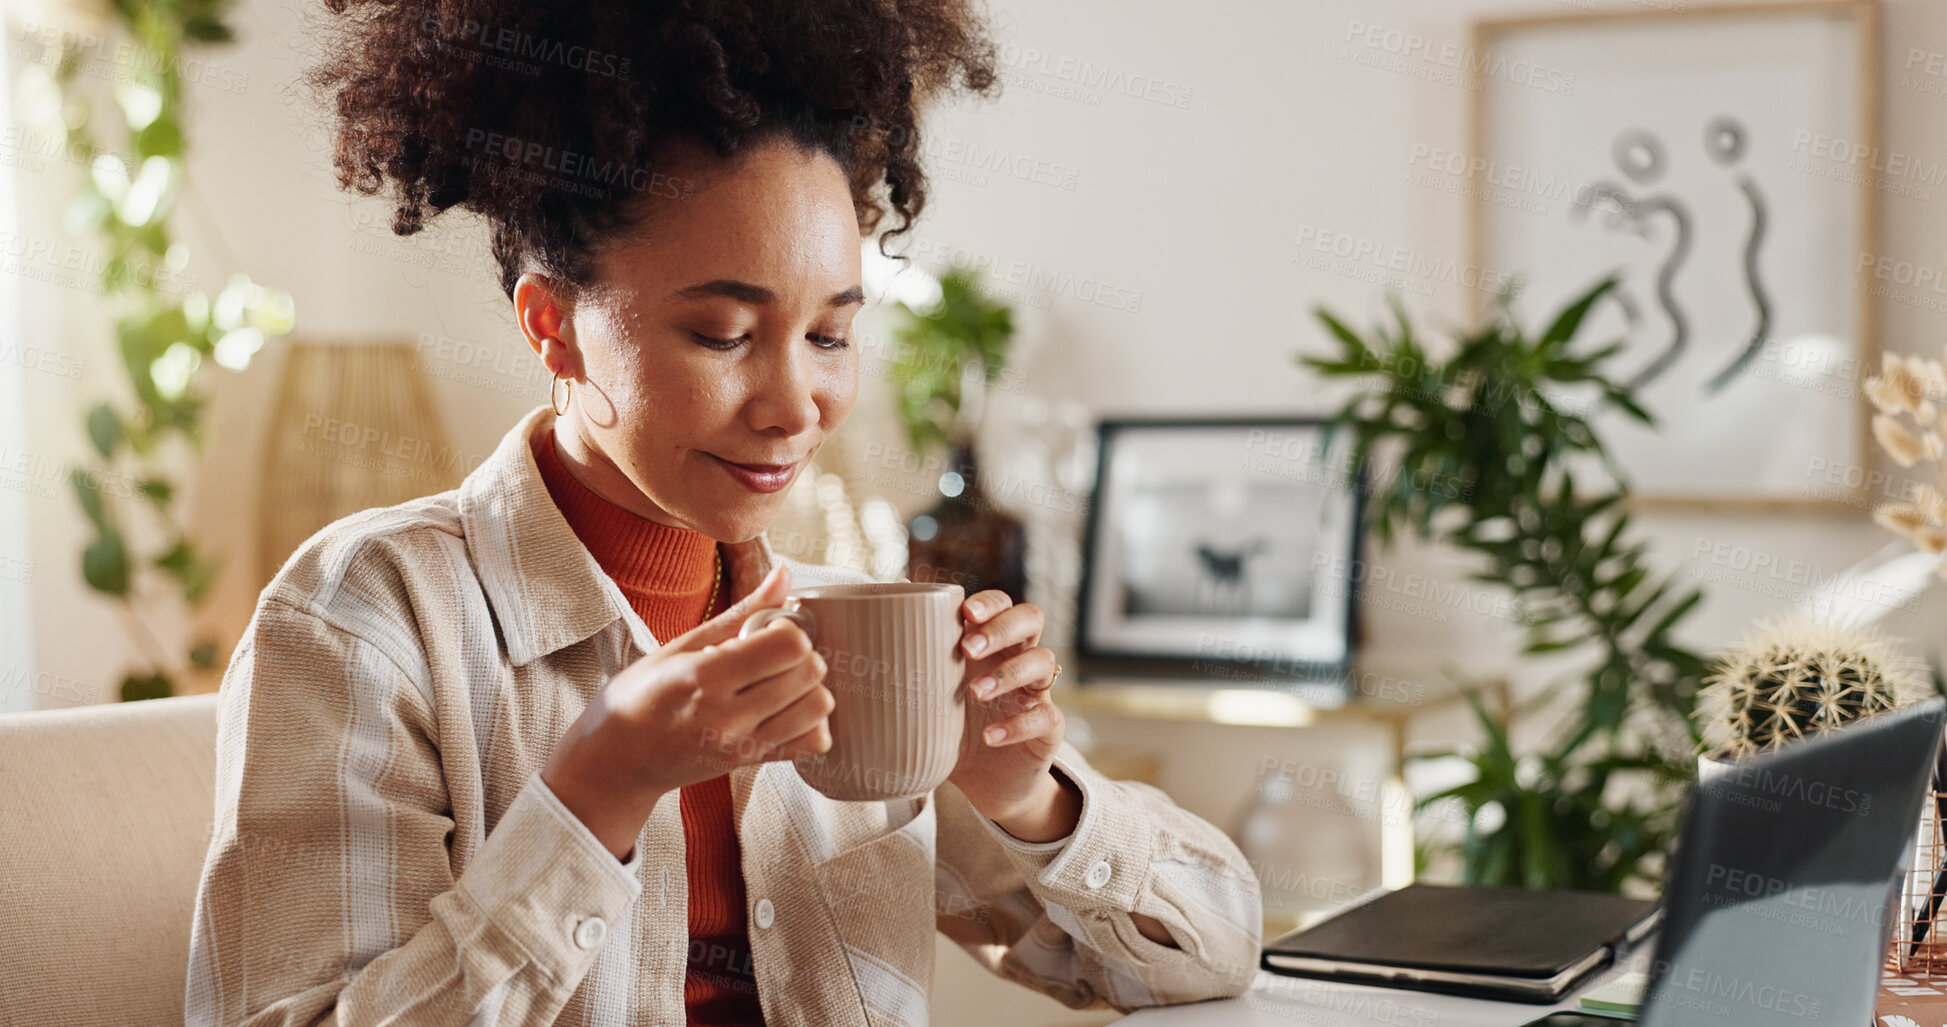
[1104,862]
[1047,849]
[543,878]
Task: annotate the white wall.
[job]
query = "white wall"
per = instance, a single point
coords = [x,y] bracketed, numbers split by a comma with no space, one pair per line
[16,543]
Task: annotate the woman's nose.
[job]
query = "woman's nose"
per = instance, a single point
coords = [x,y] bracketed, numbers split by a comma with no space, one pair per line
[785,395]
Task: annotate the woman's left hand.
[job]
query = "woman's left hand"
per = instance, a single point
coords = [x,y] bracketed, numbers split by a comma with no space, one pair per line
[1013,728]
[1006,778]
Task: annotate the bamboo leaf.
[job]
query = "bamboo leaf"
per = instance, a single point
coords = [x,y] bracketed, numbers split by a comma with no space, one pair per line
[1676,613]
[1570,319]
[1360,354]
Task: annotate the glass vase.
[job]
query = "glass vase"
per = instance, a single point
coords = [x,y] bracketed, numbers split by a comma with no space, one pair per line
[965,538]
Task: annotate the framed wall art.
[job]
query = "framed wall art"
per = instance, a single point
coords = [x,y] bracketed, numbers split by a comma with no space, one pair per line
[1220,550]
[1722,162]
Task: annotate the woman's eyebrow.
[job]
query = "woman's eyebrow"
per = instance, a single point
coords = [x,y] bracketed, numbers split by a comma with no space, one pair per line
[757,295]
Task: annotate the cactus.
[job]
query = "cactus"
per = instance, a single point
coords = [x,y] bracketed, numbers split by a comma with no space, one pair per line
[1795,676]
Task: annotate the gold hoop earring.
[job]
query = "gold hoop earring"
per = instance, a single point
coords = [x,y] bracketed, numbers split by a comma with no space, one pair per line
[561,408]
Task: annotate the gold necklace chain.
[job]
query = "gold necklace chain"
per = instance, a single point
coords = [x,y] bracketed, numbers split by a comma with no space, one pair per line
[716,581]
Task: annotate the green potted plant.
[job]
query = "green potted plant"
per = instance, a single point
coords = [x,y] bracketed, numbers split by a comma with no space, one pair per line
[1485,457]
[947,353]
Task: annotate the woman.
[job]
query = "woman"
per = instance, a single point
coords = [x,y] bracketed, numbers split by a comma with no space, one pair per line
[462,779]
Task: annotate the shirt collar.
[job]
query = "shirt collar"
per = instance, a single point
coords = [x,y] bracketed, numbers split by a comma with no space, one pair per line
[545,588]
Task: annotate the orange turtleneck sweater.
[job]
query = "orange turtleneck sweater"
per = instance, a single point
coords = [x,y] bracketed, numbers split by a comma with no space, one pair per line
[667,575]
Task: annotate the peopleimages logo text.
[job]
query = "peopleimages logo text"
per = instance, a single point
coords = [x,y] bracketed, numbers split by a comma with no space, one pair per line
[572,165]
[1411,46]
[516,43]
[1788,786]
[1890,163]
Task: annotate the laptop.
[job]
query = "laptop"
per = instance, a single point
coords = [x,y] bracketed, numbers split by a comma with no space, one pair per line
[1775,908]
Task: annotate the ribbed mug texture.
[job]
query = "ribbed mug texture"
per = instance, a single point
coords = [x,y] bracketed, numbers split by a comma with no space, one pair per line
[894,667]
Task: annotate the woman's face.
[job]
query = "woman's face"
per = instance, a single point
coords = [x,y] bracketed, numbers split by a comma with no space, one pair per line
[717,334]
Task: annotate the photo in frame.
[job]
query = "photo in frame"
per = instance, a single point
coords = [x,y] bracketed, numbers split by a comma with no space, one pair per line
[1721,162]
[1221,551]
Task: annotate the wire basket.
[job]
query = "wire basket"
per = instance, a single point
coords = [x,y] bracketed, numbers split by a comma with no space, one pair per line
[1919,941]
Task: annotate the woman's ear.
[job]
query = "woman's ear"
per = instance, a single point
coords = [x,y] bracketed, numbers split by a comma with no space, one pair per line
[544,314]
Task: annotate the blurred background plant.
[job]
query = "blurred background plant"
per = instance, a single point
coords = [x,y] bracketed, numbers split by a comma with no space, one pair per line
[1906,396]
[133,149]
[961,339]
[1480,445]
[949,351]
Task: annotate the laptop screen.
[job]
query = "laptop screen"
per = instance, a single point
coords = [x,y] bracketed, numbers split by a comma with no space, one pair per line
[1778,899]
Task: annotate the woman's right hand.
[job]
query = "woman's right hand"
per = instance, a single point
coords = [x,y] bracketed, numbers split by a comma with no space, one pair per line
[702,703]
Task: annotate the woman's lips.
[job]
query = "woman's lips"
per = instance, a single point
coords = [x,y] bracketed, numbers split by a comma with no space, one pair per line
[759,477]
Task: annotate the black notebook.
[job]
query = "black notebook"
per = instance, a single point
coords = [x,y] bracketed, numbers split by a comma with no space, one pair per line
[1504,943]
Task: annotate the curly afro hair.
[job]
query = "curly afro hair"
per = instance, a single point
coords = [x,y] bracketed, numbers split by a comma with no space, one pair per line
[547,119]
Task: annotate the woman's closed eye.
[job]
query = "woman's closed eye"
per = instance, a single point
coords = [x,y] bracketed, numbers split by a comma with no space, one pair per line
[712,342]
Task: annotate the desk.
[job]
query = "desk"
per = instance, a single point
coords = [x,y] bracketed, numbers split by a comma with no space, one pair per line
[1279,1001]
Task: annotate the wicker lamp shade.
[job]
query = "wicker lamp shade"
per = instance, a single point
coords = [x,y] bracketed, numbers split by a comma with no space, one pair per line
[354,428]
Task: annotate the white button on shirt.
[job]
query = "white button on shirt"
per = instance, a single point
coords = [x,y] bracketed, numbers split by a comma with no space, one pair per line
[590,932]
[766,913]
[1098,874]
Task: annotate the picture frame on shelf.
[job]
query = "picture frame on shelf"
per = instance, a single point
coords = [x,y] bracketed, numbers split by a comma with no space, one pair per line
[1221,551]
[1720,159]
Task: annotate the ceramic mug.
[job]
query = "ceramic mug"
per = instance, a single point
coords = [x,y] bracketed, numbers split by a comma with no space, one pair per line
[894,666]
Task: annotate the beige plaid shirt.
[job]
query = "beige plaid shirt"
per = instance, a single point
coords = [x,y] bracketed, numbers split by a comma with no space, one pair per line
[386,853]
